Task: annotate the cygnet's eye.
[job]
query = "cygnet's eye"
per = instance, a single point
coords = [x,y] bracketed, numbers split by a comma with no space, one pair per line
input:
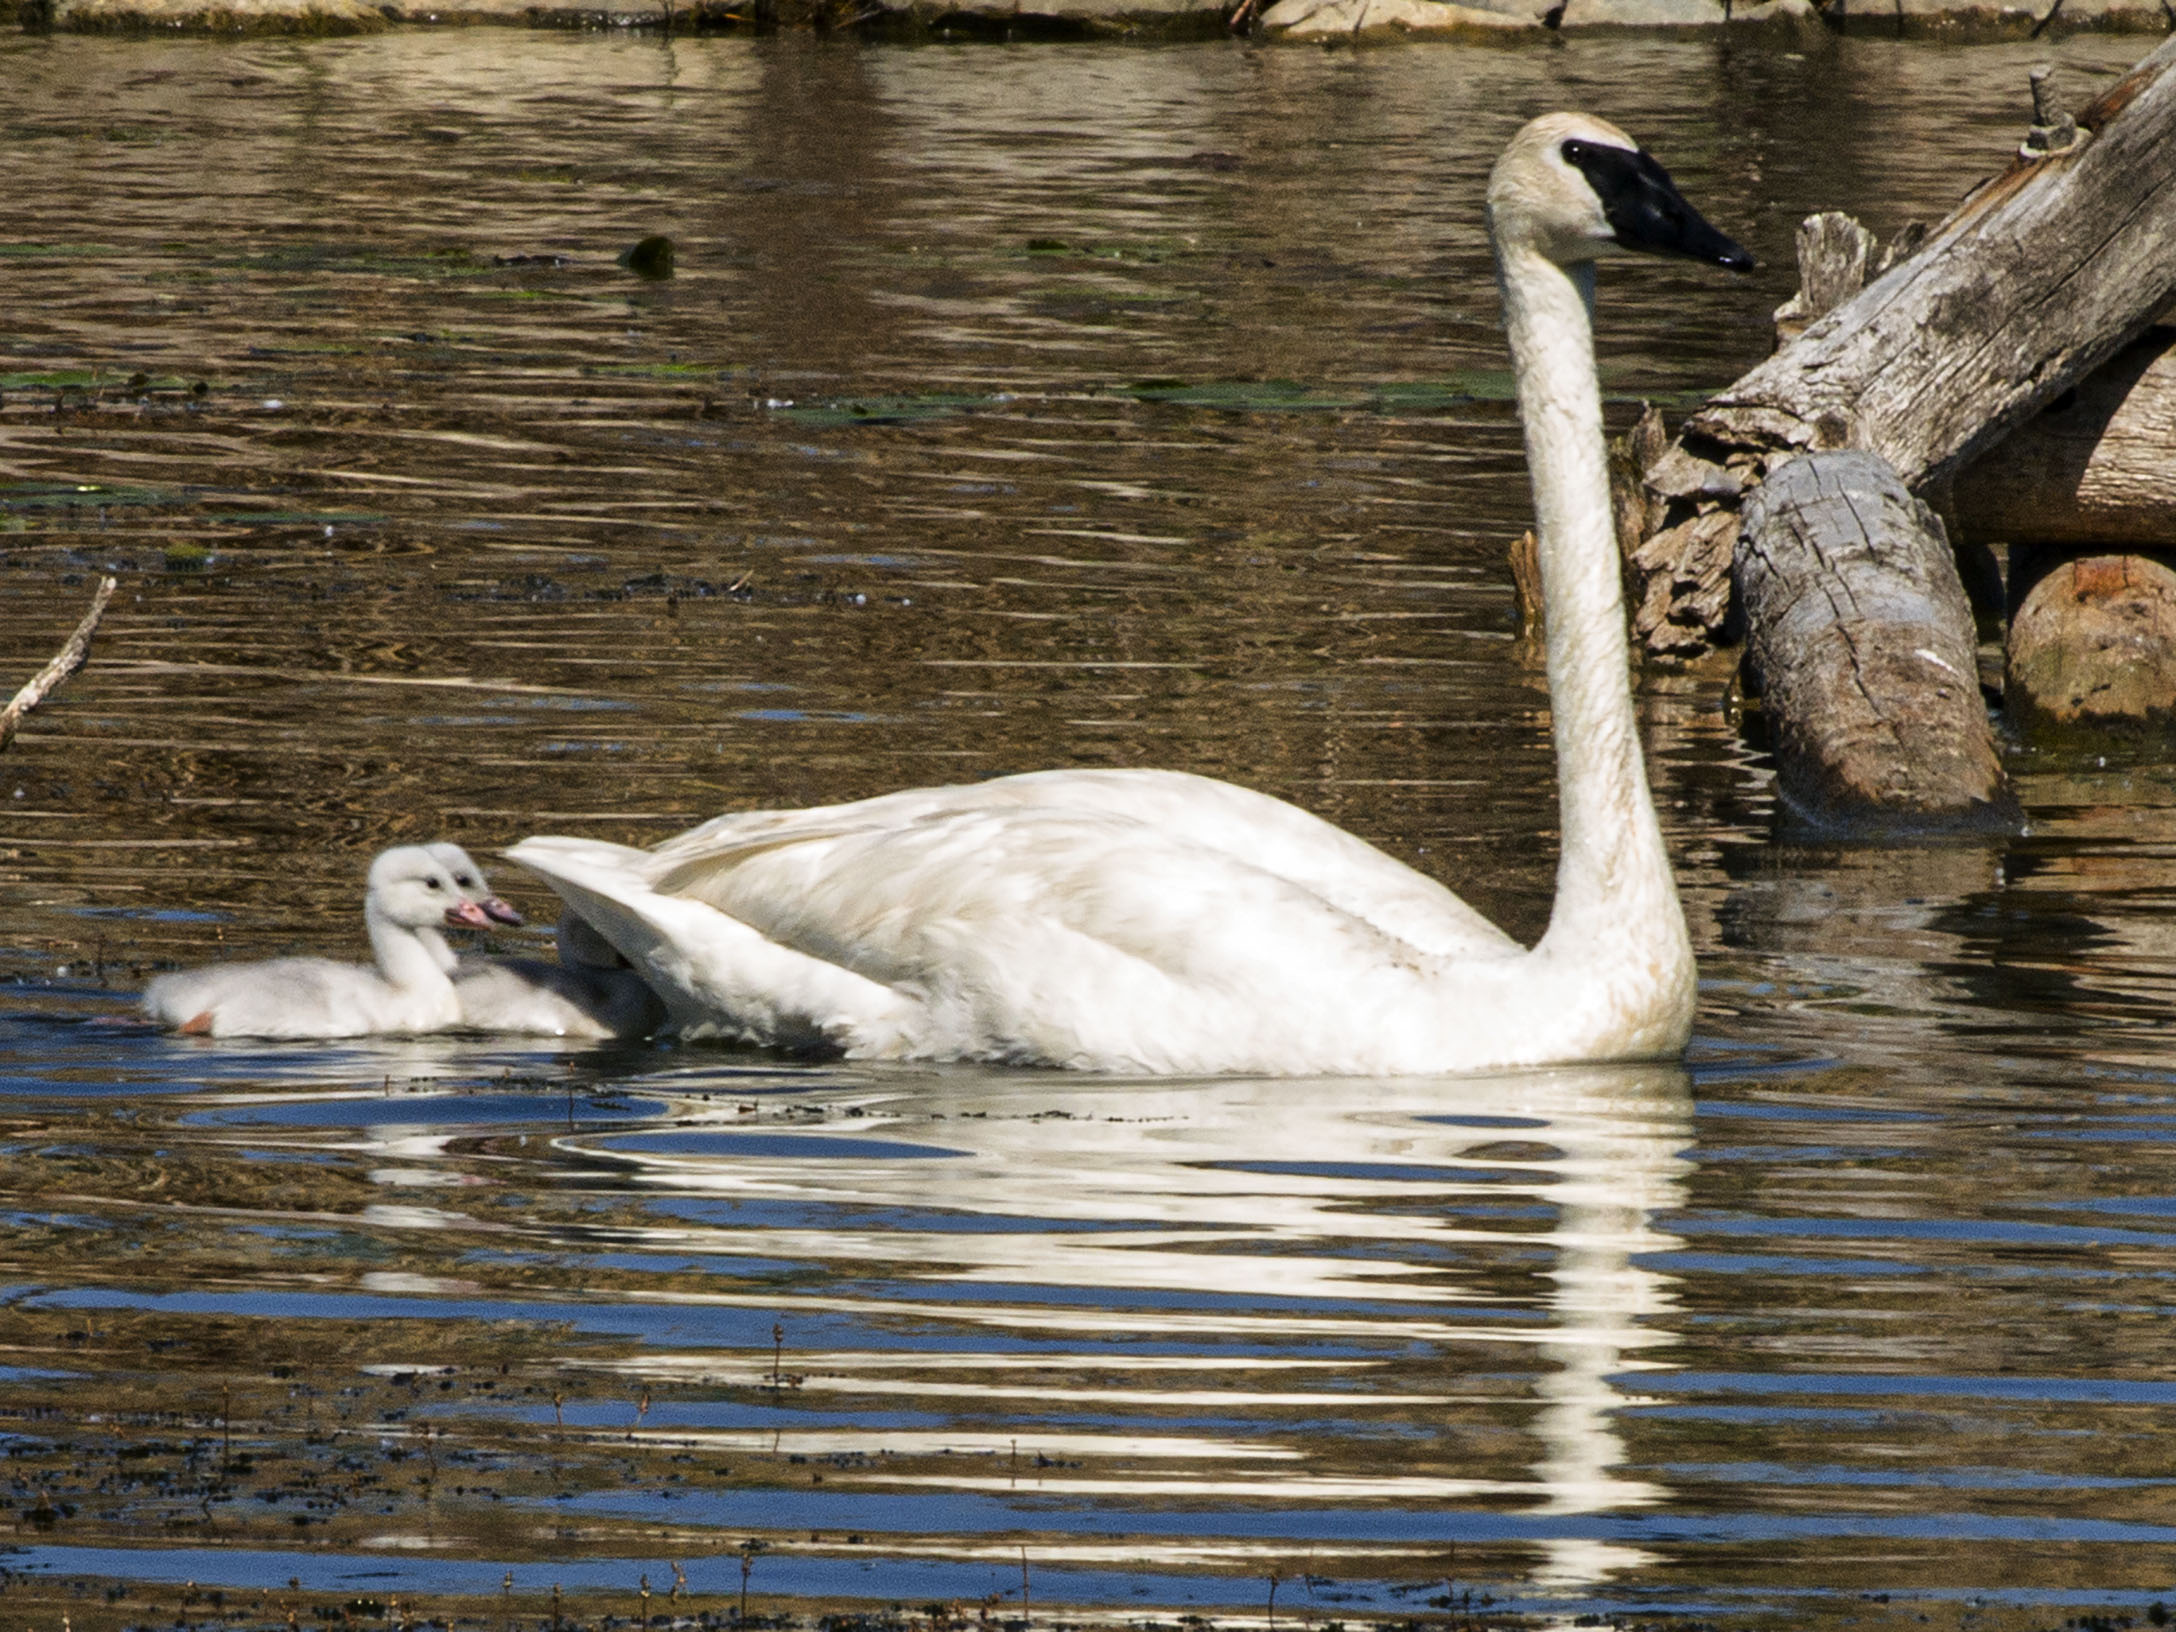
[430,884]
[467,881]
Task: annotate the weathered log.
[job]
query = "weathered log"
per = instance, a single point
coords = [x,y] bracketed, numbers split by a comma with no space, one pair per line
[2092,637]
[1835,259]
[70,658]
[1861,641]
[2037,278]
[2093,643]
[2094,468]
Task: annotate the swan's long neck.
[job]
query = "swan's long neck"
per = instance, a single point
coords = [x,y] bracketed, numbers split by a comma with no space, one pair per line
[1615,896]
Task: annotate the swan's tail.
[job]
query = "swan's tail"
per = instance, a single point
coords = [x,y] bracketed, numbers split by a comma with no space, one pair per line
[716,975]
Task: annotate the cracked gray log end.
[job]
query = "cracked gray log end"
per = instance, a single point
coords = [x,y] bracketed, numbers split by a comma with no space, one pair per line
[1860,637]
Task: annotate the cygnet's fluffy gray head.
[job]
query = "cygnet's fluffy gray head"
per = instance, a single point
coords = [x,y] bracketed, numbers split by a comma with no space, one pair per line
[1575,187]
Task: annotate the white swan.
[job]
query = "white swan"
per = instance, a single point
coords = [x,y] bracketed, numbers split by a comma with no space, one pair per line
[411,898]
[1158,922]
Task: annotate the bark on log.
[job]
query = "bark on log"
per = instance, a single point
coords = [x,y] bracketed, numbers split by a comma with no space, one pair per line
[2094,644]
[70,658]
[1861,640]
[2094,469]
[2041,275]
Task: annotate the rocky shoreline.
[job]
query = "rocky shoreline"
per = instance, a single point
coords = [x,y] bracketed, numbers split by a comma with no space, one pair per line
[1295,20]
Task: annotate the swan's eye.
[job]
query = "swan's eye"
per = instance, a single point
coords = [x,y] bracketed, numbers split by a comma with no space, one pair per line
[464,880]
[1574,151]
[430,884]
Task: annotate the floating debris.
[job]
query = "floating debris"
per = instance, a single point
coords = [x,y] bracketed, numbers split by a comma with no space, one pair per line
[651,258]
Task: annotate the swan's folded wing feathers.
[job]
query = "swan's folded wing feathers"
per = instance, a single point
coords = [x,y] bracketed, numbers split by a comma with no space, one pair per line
[1010,932]
[1016,924]
[716,975]
[1071,938]
[1283,839]
[1265,833]
[729,831]
[918,905]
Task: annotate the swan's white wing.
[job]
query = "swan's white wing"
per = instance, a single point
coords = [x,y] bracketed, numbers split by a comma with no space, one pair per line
[1057,936]
[1264,833]
[716,975]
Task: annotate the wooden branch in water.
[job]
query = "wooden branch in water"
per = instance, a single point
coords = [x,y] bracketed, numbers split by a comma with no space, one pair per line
[2037,278]
[71,658]
[1861,640]
[1526,586]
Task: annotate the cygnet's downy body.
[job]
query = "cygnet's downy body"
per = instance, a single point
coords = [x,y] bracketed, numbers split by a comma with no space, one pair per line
[411,899]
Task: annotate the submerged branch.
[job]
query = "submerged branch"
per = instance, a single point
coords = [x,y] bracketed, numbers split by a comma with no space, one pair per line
[72,657]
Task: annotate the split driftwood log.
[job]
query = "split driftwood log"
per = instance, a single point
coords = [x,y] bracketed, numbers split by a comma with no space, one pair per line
[1862,643]
[2096,467]
[70,658]
[1859,633]
[2040,276]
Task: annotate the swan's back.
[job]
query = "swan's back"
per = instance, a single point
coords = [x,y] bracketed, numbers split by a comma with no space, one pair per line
[1169,807]
[1067,919]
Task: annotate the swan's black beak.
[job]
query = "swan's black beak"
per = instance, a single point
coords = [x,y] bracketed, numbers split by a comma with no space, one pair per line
[1644,208]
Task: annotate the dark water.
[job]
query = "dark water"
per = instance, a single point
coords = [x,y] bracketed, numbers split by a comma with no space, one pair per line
[1011,407]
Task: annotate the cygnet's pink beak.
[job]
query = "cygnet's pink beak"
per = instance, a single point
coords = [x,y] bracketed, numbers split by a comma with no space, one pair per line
[467,915]
[499,911]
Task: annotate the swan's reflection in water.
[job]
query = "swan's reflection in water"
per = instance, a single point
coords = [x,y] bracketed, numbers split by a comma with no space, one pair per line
[1408,1297]
[1622,1135]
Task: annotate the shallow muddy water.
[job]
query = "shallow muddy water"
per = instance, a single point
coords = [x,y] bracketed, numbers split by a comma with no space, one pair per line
[1010,408]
